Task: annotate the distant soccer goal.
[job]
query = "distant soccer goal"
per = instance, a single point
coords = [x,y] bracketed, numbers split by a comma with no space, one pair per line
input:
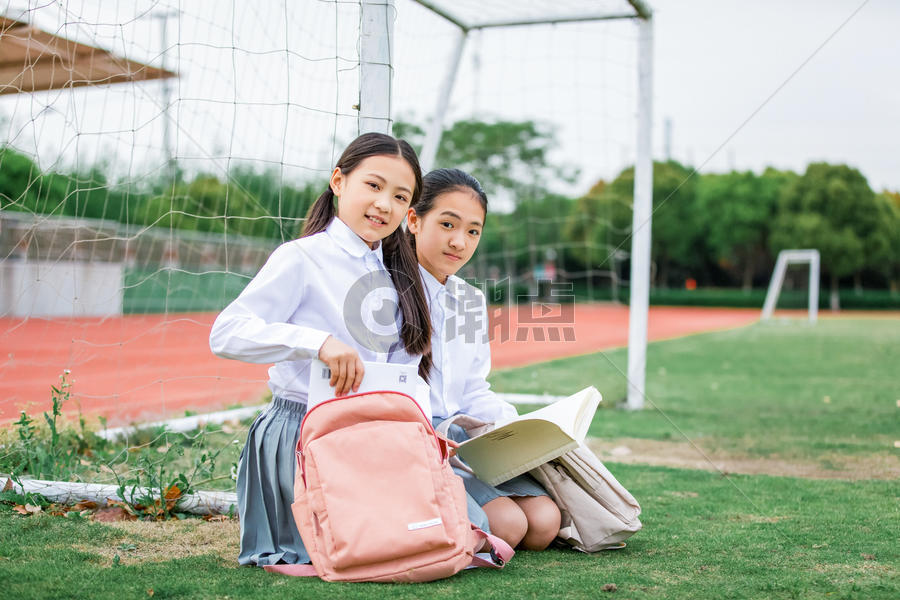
[785,258]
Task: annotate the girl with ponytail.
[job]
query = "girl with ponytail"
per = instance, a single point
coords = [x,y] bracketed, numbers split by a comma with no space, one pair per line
[326,295]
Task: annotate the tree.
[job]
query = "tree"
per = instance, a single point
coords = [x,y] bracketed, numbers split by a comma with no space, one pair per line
[502,155]
[735,210]
[883,246]
[677,242]
[833,209]
[512,161]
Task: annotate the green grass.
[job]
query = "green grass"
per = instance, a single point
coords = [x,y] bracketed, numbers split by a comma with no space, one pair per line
[758,390]
[787,389]
[704,536]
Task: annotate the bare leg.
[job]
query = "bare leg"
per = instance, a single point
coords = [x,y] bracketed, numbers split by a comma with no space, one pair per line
[507,520]
[543,519]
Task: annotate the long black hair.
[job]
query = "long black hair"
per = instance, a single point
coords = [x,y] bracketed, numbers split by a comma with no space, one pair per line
[399,257]
[437,182]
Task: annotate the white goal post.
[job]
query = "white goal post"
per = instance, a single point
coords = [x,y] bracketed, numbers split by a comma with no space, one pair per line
[630,10]
[786,257]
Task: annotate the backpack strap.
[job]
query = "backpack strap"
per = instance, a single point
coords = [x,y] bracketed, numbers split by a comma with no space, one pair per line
[500,552]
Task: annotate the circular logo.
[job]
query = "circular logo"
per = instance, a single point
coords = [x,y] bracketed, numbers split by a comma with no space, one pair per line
[372,312]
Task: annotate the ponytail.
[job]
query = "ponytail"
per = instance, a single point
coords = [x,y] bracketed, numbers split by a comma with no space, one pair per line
[320,214]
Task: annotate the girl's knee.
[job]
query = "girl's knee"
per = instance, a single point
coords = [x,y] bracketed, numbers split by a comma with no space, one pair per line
[543,518]
[507,520]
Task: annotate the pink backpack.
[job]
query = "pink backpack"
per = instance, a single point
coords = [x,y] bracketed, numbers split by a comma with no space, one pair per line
[375,498]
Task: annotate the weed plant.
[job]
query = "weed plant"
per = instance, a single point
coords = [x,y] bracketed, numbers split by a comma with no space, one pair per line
[153,469]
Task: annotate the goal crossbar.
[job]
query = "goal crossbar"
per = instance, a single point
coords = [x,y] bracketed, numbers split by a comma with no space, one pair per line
[641,11]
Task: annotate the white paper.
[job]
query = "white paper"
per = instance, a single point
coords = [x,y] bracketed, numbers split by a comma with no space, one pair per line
[378,377]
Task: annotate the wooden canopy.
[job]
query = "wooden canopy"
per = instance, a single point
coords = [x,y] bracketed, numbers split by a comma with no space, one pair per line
[33,60]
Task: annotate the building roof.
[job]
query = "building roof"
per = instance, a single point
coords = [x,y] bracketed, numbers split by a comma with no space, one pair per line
[33,60]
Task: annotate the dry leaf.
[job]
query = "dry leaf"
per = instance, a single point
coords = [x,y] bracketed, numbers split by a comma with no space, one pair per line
[112,514]
[123,505]
[20,509]
[215,517]
[85,505]
[610,587]
[150,592]
[173,492]
[868,556]
[33,509]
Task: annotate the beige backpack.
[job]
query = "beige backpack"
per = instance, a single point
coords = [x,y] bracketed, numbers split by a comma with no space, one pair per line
[598,513]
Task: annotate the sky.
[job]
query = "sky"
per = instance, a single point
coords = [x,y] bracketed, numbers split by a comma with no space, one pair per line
[273,83]
[719,62]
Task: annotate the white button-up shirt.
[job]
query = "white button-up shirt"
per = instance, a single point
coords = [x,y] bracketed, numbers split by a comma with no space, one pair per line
[461,352]
[330,283]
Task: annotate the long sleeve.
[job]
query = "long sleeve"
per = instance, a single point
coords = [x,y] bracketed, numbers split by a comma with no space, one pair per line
[478,400]
[255,328]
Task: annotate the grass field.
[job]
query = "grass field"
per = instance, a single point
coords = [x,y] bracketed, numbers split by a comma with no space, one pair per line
[777,394]
[789,390]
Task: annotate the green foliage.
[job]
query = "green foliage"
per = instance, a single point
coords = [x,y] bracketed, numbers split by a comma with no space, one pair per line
[719,229]
[833,209]
[153,470]
[247,202]
[735,210]
[503,155]
[51,452]
[678,243]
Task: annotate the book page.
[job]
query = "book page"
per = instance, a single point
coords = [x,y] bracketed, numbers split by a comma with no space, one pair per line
[515,448]
[520,444]
[572,414]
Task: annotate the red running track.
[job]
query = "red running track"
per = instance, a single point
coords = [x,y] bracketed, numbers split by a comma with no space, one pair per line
[146,367]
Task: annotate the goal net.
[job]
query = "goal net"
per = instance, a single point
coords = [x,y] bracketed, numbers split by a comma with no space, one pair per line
[155,153]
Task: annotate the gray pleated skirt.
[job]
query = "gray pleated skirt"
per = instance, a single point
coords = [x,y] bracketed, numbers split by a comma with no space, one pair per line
[265,487]
[481,492]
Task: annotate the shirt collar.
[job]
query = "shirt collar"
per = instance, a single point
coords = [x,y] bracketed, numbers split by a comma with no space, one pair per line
[454,288]
[352,244]
[433,287]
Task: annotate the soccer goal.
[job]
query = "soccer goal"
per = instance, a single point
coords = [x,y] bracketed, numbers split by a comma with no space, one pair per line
[785,259]
[154,153]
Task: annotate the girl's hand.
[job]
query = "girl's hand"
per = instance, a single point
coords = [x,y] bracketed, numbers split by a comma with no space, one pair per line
[346,367]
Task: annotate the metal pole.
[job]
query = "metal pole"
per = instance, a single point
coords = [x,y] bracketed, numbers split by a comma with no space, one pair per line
[375,70]
[166,91]
[814,287]
[641,224]
[775,286]
[436,127]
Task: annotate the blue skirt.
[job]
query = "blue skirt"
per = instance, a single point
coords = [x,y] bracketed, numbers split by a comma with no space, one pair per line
[265,487]
[481,492]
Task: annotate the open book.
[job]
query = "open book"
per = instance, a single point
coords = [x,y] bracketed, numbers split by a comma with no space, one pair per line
[520,444]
